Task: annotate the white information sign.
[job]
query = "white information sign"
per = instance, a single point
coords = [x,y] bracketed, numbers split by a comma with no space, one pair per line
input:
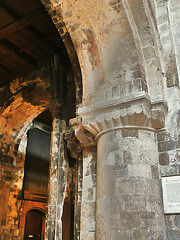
[171,194]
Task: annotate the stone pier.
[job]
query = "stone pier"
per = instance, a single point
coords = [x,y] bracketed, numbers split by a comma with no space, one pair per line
[128,192]
[58,178]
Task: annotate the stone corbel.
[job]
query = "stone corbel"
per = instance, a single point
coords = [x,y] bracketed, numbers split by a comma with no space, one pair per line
[85,137]
[158,112]
[73,143]
[78,137]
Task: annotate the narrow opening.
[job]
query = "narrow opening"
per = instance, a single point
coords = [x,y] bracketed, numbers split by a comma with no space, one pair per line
[34,225]
[36,170]
[68,220]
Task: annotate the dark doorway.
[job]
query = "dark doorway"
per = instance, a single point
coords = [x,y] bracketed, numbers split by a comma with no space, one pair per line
[34,225]
[68,221]
[37,165]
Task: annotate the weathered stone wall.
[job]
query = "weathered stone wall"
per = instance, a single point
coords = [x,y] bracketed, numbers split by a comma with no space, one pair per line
[78,199]
[127,50]
[12,175]
[128,189]
[166,14]
[57,181]
[88,203]
[152,26]
[21,101]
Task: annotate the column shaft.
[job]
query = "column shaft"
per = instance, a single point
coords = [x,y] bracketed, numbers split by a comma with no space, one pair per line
[128,189]
[88,205]
[58,182]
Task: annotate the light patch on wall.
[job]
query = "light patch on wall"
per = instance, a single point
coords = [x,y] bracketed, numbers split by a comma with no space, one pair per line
[23,143]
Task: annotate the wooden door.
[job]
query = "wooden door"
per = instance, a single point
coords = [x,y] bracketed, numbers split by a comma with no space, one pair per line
[34,225]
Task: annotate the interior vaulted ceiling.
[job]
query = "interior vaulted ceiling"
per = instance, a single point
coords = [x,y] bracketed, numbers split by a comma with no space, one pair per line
[28,38]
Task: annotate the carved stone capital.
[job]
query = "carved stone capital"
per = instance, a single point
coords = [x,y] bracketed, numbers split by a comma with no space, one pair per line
[139,112]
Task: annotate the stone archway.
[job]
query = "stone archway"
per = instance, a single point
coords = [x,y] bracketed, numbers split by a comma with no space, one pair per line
[23,99]
[127,58]
[35,219]
[123,98]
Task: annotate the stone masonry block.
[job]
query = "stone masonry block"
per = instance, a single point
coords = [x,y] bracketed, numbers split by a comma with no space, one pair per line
[169,170]
[141,187]
[154,187]
[117,204]
[139,171]
[88,224]
[154,172]
[125,187]
[159,222]
[164,158]
[166,146]
[120,234]
[130,220]
[119,171]
[88,210]
[130,133]
[139,234]
[147,220]
[163,136]
[127,157]
[87,235]
[135,203]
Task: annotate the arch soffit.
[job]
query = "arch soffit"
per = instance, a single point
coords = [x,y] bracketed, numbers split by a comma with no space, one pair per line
[86,42]
[22,107]
[91,25]
[40,209]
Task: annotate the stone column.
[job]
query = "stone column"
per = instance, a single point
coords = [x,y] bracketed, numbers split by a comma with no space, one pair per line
[76,152]
[88,204]
[128,190]
[86,191]
[58,177]
[128,197]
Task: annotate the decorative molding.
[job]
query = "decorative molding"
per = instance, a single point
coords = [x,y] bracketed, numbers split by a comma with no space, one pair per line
[126,128]
[94,121]
[138,111]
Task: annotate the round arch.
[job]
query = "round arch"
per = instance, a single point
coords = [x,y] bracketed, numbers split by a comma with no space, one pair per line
[113,35]
[34,224]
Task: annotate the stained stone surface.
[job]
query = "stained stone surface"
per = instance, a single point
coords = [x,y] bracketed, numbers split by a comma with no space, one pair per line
[127,189]
[127,54]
